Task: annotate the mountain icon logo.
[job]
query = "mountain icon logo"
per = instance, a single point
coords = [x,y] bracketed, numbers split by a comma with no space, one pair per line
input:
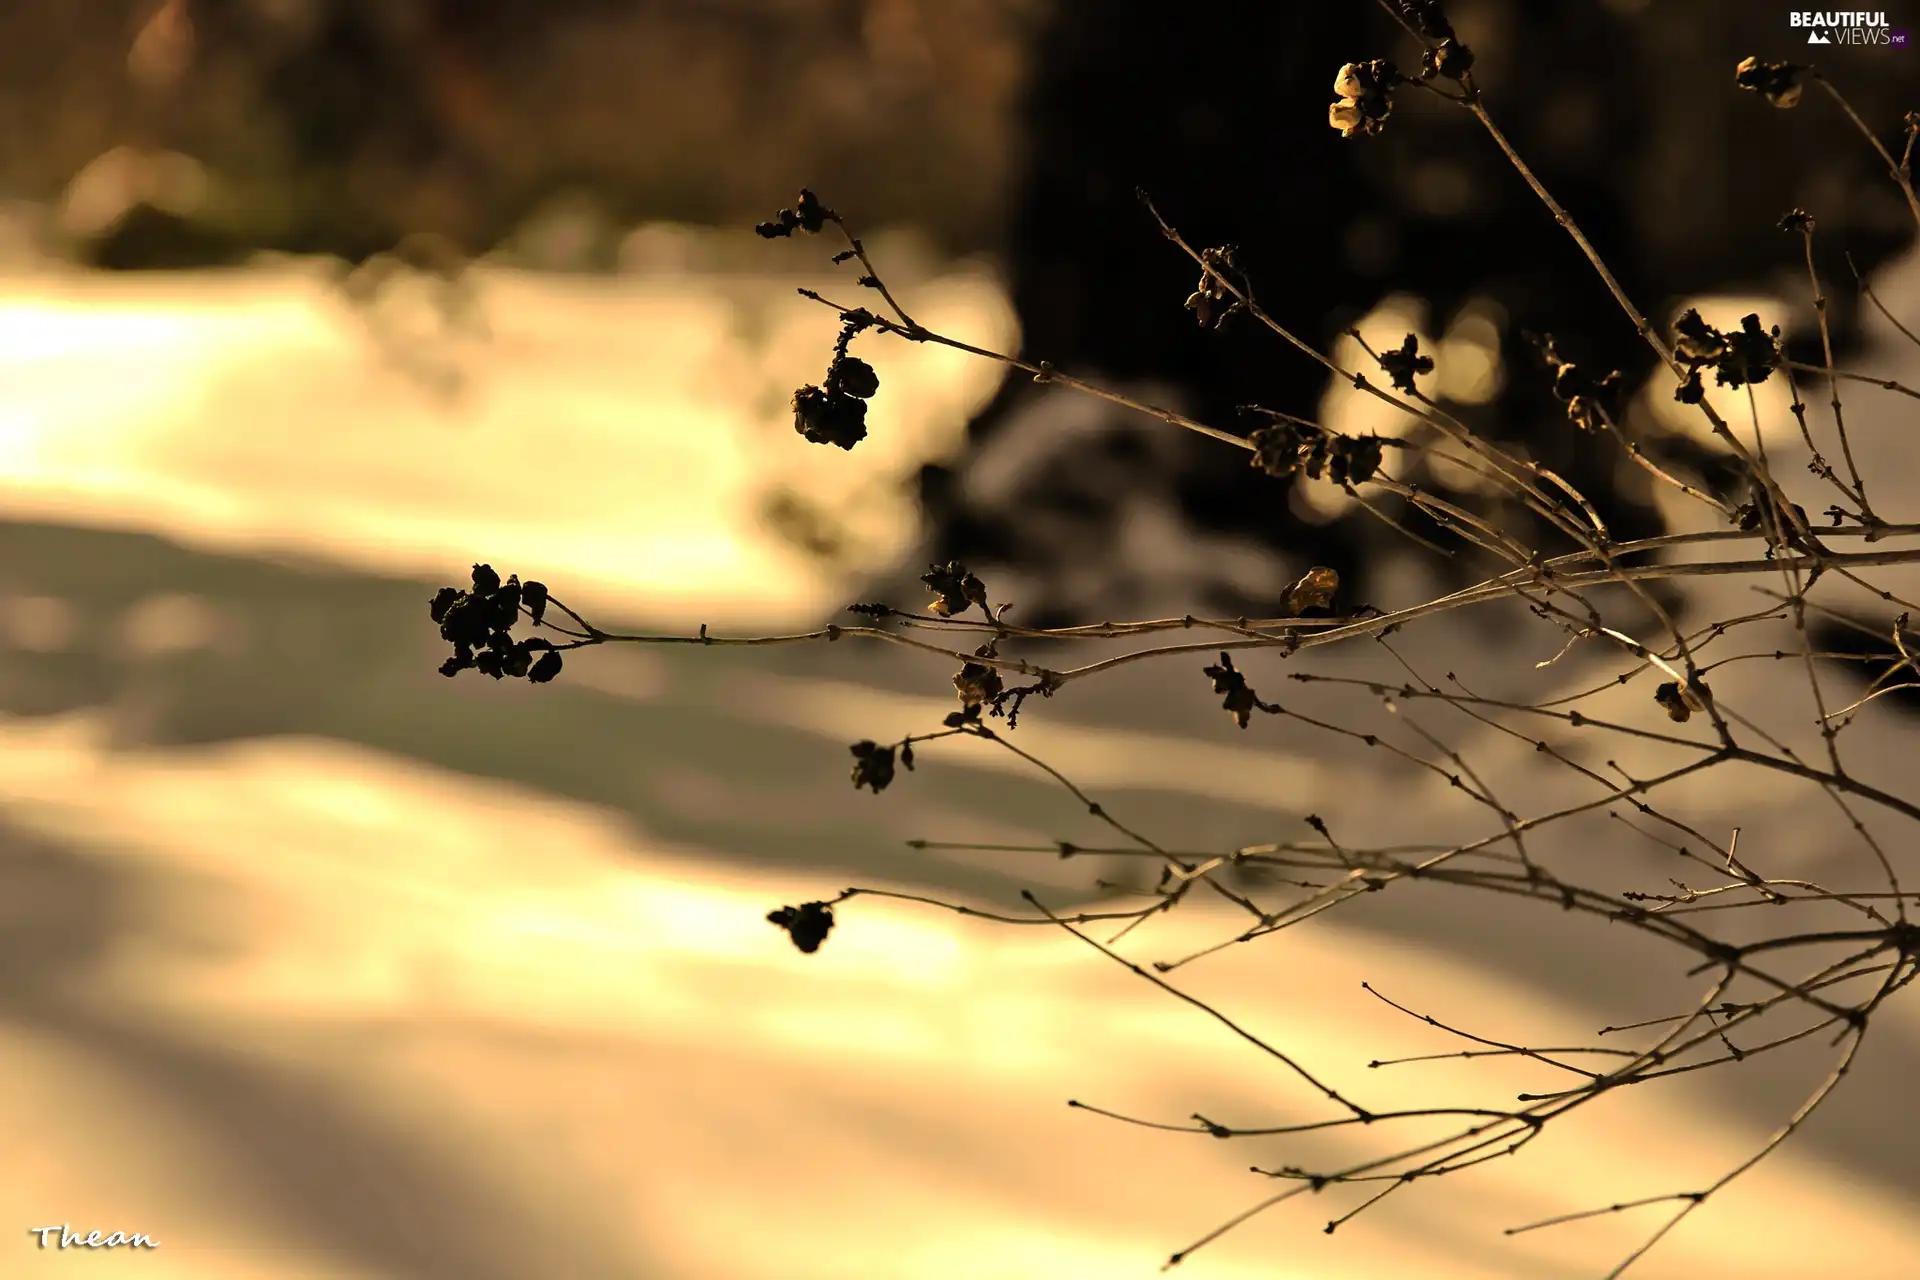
[1814,37]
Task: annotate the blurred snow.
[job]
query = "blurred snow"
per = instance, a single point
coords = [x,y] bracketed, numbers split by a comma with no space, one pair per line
[620,434]
[306,1003]
[605,1063]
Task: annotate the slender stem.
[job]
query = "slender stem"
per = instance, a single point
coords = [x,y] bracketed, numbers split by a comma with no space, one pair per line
[1901,175]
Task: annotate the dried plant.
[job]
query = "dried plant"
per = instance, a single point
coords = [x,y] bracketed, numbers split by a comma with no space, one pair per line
[1819,960]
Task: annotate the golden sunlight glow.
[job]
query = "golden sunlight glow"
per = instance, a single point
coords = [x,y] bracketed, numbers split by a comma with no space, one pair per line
[616,434]
[434,947]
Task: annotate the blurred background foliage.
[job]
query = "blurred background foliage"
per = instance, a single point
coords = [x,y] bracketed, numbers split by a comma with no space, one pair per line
[191,132]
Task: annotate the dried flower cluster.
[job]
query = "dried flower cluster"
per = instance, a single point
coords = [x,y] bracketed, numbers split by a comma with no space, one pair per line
[1404,364]
[1288,448]
[807,924]
[479,623]
[1240,701]
[807,214]
[955,590]
[1748,354]
[1681,701]
[836,411]
[1364,93]
[873,765]
[1212,302]
[1777,82]
[978,684]
[1587,398]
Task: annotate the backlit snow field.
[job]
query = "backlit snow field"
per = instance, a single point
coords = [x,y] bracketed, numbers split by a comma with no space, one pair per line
[314,964]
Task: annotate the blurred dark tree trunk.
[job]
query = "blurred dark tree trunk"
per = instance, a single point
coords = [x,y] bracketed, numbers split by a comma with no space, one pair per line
[1219,111]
